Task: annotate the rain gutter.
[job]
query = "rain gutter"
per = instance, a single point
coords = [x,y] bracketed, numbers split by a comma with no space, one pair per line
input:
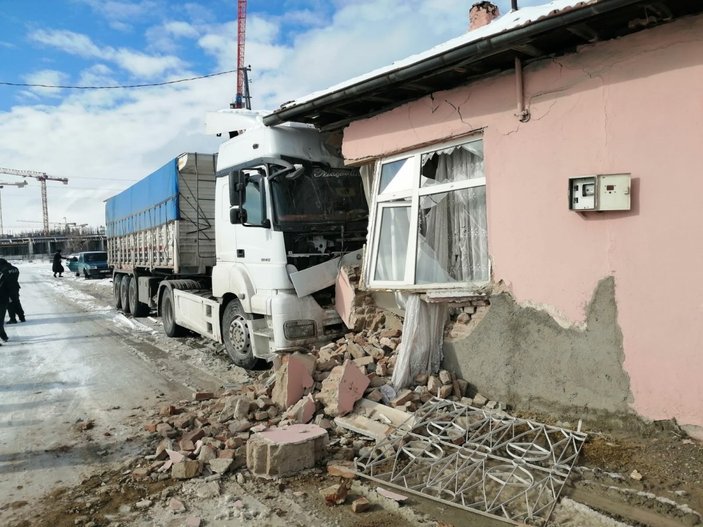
[474,50]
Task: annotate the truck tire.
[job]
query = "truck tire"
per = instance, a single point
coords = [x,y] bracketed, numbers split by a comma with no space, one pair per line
[236,336]
[138,309]
[116,291]
[168,316]
[124,293]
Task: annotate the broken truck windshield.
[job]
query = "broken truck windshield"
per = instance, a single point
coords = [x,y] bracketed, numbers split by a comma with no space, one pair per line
[319,195]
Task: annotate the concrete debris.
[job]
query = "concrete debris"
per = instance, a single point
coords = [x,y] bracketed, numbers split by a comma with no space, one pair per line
[360,505]
[176,505]
[344,386]
[336,494]
[400,498]
[286,450]
[636,475]
[330,404]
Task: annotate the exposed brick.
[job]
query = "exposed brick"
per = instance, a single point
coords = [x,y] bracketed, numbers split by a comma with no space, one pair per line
[445,391]
[302,411]
[165,430]
[342,469]
[203,396]
[150,427]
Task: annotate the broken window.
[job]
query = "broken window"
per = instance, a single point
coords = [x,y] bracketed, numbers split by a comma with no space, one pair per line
[429,221]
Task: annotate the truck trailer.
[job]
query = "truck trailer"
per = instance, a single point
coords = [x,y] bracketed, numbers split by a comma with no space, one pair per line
[210,241]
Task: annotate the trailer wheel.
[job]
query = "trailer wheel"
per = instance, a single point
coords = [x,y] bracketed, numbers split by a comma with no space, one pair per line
[116,283]
[124,293]
[138,309]
[168,316]
[236,336]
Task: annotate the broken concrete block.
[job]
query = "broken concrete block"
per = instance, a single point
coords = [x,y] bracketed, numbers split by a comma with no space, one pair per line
[491,405]
[166,410]
[207,453]
[293,379]
[388,343]
[261,415]
[184,421]
[355,350]
[220,465]
[445,391]
[445,377]
[286,450]
[433,384]
[479,400]
[240,426]
[186,445]
[375,395]
[391,495]
[175,457]
[360,505]
[193,521]
[344,386]
[161,448]
[302,411]
[344,296]
[391,333]
[186,469]
[421,378]
[403,397]
[364,361]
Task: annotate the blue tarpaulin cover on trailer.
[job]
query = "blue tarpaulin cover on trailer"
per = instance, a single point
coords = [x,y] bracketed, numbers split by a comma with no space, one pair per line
[148,203]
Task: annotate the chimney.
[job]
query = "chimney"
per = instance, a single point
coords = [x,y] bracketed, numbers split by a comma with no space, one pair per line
[482,14]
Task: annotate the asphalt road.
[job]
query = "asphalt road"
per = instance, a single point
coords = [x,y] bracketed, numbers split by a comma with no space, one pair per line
[68,364]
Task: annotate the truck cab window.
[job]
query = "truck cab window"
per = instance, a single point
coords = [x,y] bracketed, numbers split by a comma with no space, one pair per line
[254,201]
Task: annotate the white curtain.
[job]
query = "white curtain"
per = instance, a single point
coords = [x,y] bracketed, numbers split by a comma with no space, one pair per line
[454,226]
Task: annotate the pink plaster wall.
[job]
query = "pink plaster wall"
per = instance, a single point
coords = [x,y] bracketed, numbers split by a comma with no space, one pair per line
[631,105]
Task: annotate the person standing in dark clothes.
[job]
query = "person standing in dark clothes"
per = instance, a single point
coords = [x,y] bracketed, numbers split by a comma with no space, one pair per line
[56,267]
[14,308]
[4,299]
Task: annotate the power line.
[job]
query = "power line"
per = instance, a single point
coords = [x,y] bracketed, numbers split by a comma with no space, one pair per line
[114,87]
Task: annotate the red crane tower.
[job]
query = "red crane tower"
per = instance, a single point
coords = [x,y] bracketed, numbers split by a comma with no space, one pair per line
[242,99]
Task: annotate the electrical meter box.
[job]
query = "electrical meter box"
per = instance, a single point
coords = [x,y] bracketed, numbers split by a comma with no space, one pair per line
[600,192]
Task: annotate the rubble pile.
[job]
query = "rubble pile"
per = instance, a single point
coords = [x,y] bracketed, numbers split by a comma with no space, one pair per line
[217,434]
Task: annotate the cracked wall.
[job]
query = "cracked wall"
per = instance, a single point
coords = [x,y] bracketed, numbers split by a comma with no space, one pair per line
[629,105]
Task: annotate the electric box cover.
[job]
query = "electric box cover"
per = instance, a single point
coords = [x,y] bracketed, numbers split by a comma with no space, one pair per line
[600,192]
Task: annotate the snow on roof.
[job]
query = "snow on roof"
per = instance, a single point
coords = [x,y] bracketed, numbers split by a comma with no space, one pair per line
[508,22]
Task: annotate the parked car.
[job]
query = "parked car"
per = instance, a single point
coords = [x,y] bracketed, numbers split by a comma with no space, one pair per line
[90,264]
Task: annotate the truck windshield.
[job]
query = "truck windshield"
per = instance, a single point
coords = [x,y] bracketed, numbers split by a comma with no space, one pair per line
[319,195]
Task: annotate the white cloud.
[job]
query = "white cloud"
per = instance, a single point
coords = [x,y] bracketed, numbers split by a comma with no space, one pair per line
[68,41]
[135,62]
[49,78]
[120,14]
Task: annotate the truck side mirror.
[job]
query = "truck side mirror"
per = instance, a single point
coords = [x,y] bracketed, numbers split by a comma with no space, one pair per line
[237,215]
[237,184]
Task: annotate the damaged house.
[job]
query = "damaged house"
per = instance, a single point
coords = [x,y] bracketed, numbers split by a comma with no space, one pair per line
[540,173]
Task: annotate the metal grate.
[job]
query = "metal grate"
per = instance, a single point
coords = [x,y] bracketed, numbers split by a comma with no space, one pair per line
[477,459]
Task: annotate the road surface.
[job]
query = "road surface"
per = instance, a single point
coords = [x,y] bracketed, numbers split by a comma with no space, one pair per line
[68,366]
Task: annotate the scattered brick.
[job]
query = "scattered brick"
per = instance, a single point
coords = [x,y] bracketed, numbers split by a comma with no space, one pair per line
[360,505]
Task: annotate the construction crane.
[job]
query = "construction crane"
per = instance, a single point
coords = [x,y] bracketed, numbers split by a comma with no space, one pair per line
[42,177]
[2,185]
[243,98]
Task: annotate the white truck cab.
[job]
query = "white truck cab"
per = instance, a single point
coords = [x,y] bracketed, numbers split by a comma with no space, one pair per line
[284,202]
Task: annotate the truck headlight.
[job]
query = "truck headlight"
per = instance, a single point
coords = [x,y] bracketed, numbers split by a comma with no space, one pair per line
[299,329]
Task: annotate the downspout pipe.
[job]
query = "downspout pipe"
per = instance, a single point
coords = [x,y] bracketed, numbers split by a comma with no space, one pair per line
[474,50]
[523,114]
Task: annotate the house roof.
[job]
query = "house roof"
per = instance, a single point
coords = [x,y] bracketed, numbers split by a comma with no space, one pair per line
[531,33]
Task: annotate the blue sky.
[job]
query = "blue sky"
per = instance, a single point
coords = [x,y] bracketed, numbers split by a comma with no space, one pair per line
[103,139]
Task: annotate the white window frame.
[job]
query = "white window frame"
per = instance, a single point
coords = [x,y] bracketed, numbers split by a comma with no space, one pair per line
[381,202]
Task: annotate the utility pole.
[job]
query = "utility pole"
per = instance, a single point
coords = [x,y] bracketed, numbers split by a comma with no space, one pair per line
[2,184]
[42,177]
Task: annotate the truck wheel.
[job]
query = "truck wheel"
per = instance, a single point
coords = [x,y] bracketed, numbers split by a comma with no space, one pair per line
[169,317]
[138,309]
[124,293]
[85,274]
[236,336]
[116,283]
